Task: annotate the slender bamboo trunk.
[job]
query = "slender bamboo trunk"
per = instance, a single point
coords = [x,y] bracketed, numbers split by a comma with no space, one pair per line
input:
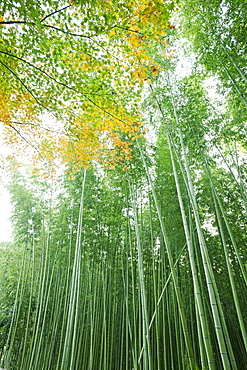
[197,290]
[191,358]
[229,268]
[16,311]
[72,321]
[233,62]
[226,352]
[233,82]
[147,358]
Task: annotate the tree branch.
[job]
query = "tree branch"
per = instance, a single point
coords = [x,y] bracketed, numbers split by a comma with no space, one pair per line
[46,74]
[14,22]
[65,32]
[48,26]
[23,84]
[18,132]
[58,82]
[128,29]
[32,23]
[38,68]
[33,125]
[55,12]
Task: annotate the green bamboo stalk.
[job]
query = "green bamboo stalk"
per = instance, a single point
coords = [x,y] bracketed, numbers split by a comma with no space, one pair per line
[55,321]
[171,264]
[125,282]
[46,300]
[154,288]
[212,289]
[25,346]
[71,330]
[239,180]
[83,337]
[133,327]
[201,283]
[233,82]
[147,363]
[44,276]
[104,322]
[16,312]
[241,265]
[90,363]
[233,62]
[229,268]
[160,299]
[197,290]
[64,312]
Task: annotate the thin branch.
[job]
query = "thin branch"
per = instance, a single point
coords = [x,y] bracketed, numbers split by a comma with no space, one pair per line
[38,68]
[14,22]
[23,84]
[55,12]
[47,74]
[128,29]
[58,82]
[33,125]
[80,35]
[65,32]
[47,26]
[32,23]
[18,132]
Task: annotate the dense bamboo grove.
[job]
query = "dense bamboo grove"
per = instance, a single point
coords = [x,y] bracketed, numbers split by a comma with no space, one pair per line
[144,268]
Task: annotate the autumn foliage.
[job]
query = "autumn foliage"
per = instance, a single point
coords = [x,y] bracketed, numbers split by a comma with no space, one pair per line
[83,65]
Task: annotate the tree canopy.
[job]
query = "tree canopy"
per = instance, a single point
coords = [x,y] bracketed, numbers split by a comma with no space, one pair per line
[83,65]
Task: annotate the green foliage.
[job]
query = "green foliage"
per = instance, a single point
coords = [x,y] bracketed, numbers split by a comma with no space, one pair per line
[217,31]
[83,65]
[8,278]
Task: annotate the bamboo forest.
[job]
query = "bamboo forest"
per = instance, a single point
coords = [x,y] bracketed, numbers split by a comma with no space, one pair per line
[124,125]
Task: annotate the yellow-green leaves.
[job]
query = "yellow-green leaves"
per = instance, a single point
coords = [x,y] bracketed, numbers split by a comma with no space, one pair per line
[83,64]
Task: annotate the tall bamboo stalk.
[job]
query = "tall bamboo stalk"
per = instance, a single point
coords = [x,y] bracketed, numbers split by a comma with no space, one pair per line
[72,321]
[191,358]
[147,362]
[197,289]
